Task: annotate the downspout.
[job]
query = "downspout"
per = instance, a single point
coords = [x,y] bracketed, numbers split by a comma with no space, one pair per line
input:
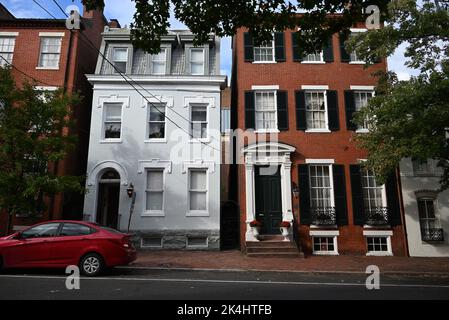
[401,203]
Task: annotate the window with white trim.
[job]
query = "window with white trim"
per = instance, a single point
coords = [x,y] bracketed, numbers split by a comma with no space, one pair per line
[120,59]
[197,58]
[373,193]
[420,167]
[7,45]
[199,121]
[316,110]
[431,229]
[156,122]
[362,99]
[159,62]
[353,57]
[324,245]
[264,53]
[155,190]
[112,121]
[197,190]
[266,110]
[321,189]
[50,52]
[377,244]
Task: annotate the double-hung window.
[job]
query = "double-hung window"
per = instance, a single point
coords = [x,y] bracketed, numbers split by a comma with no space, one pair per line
[321,190]
[112,121]
[120,59]
[197,61]
[198,190]
[316,110]
[420,167]
[199,123]
[50,52]
[155,191]
[374,199]
[266,110]
[362,99]
[156,122]
[353,57]
[264,53]
[159,62]
[314,57]
[7,45]
[430,224]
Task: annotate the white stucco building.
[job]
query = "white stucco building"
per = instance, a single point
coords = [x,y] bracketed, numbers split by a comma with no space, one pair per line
[426,209]
[160,140]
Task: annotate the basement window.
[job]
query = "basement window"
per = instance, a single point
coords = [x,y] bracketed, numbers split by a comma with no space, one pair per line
[325,246]
[378,246]
[197,242]
[151,242]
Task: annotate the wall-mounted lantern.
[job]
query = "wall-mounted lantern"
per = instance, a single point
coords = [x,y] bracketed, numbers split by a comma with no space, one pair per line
[130,190]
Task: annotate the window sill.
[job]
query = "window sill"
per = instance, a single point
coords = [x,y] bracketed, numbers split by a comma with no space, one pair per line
[357,62]
[111,141]
[156,141]
[47,68]
[379,254]
[267,131]
[326,253]
[150,214]
[313,62]
[193,214]
[362,131]
[264,62]
[318,131]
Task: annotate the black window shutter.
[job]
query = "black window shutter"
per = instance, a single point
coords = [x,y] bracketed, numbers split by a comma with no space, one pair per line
[358,206]
[394,212]
[279,46]
[350,110]
[282,99]
[328,51]
[340,194]
[301,121]
[332,110]
[304,192]
[250,111]
[249,48]
[345,57]
[296,56]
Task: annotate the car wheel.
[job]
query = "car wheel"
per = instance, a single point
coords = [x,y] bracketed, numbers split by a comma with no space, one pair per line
[91,265]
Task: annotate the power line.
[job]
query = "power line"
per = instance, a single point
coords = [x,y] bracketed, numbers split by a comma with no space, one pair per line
[132,85]
[48,12]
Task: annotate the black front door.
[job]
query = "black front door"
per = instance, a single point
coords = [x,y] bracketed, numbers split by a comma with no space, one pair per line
[108,205]
[268,199]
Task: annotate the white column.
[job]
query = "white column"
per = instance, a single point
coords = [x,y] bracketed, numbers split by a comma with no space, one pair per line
[250,196]
[286,185]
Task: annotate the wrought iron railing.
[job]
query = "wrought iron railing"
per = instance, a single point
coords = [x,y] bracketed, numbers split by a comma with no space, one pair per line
[376,216]
[432,234]
[324,216]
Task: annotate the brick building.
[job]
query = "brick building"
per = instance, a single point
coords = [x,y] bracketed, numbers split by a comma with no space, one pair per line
[47,51]
[306,105]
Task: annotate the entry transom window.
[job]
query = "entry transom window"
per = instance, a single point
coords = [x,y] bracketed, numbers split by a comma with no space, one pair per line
[159,62]
[199,122]
[265,103]
[120,59]
[316,110]
[198,190]
[264,53]
[50,52]
[324,245]
[155,190]
[112,120]
[362,99]
[321,191]
[197,61]
[377,244]
[156,124]
[7,45]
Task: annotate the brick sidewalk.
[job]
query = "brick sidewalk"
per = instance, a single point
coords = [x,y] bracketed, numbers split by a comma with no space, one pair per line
[226,260]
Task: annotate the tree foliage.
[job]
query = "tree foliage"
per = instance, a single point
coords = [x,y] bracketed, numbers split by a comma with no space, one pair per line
[32,135]
[409,118]
[261,17]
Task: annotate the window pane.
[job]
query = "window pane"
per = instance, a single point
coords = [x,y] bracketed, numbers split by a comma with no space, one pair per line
[41,231]
[199,113]
[113,111]
[159,68]
[198,180]
[71,230]
[113,130]
[157,113]
[154,201]
[121,55]
[198,201]
[157,131]
[197,55]
[155,180]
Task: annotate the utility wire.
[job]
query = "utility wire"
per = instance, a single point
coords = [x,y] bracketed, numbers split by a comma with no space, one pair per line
[48,12]
[131,81]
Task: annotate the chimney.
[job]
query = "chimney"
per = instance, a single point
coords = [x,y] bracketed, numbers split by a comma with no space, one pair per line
[90,14]
[114,24]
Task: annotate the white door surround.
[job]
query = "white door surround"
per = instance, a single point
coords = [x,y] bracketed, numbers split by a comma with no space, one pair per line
[268,153]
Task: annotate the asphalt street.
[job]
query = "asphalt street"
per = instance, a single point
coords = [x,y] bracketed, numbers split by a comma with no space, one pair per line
[124,283]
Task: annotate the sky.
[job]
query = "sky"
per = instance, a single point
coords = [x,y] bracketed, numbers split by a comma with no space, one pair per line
[123,10]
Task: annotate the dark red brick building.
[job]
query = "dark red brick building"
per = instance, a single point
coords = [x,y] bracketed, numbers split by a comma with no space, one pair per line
[305,106]
[47,51]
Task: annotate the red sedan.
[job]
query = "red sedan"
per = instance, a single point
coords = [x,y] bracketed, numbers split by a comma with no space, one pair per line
[58,244]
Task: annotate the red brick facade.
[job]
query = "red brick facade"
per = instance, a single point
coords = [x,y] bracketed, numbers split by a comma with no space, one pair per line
[338,145]
[77,58]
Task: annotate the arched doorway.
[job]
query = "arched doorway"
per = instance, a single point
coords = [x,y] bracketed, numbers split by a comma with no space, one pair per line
[108,199]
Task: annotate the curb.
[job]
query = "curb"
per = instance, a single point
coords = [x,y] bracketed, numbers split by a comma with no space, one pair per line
[402,273]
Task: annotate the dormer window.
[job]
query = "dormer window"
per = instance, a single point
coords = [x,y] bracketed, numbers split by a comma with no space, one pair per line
[197,61]
[159,62]
[120,60]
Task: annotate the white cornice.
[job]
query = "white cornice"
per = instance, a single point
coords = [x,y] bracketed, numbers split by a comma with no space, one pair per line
[117,79]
